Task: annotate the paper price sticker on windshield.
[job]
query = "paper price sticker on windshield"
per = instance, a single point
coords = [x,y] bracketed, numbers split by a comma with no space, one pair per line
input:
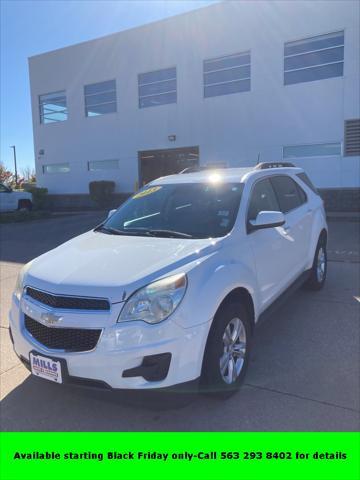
[148,191]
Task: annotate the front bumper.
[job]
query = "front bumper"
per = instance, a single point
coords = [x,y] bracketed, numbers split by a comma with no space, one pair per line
[121,349]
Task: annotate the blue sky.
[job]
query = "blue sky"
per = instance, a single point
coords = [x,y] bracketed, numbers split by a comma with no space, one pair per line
[30,27]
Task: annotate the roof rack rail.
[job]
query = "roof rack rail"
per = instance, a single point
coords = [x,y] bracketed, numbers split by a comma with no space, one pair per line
[266,165]
[199,168]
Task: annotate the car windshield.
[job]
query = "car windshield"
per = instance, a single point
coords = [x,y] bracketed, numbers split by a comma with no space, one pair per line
[186,210]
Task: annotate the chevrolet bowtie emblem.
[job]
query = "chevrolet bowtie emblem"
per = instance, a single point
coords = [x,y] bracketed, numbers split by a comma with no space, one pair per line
[50,318]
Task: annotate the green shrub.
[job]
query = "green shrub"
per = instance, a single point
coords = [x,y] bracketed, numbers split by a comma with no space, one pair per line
[39,196]
[101,192]
[27,185]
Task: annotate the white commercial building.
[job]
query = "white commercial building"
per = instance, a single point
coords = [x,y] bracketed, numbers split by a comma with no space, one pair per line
[227,85]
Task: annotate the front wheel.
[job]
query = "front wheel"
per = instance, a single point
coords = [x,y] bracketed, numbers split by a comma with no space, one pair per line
[24,206]
[227,351]
[318,271]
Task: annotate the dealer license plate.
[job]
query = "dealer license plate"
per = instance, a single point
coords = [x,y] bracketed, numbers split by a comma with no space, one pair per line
[45,367]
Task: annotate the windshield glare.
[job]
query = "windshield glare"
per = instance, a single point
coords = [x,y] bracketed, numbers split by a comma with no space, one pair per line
[196,210]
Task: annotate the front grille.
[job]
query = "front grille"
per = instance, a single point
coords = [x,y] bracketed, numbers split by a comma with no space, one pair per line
[57,338]
[74,303]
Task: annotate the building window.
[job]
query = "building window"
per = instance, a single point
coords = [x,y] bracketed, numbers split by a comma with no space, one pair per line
[314,58]
[103,165]
[314,150]
[157,88]
[56,168]
[52,107]
[100,98]
[225,75]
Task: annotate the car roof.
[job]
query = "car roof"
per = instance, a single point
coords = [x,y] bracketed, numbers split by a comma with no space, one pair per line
[228,175]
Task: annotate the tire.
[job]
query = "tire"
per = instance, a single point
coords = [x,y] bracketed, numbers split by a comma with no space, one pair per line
[217,381]
[25,205]
[318,271]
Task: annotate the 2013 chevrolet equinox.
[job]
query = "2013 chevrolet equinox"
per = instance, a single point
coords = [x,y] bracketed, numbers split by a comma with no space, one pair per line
[169,288]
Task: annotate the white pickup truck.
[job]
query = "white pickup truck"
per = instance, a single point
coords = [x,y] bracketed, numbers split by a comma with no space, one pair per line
[14,200]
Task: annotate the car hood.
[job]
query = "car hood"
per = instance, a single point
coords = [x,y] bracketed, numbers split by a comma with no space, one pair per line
[112,266]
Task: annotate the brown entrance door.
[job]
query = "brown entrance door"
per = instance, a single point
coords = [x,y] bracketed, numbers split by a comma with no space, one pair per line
[159,163]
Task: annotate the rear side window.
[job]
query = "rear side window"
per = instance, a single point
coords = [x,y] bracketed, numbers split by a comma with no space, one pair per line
[262,199]
[304,178]
[289,194]
[302,194]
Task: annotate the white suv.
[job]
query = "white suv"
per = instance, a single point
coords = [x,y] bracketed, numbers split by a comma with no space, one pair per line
[169,288]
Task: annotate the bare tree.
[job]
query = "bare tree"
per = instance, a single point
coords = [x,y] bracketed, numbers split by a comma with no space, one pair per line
[28,173]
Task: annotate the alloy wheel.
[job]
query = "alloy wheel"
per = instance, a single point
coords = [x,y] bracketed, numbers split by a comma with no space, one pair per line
[321,265]
[234,349]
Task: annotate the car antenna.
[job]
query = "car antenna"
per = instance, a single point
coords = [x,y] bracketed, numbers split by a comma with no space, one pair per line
[258,159]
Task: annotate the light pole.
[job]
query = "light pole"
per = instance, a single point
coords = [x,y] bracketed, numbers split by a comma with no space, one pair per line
[14,150]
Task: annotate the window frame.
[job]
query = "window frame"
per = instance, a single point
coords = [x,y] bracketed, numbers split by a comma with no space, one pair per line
[140,97]
[41,105]
[227,82]
[86,108]
[313,51]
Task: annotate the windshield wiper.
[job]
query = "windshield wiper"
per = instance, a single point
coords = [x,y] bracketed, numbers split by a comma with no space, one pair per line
[152,232]
[111,230]
[143,232]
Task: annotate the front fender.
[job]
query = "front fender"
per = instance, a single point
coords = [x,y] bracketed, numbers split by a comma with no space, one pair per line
[209,283]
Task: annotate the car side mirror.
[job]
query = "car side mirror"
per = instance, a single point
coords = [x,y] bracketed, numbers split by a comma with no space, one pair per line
[268,219]
[111,212]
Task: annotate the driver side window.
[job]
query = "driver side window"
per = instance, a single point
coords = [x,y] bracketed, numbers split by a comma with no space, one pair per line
[262,198]
[3,188]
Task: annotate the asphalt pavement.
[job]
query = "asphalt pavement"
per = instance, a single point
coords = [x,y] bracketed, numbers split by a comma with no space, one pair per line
[303,375]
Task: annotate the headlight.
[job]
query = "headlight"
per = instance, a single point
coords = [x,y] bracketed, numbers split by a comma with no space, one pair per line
[155,302]
[20,280]
[19,283]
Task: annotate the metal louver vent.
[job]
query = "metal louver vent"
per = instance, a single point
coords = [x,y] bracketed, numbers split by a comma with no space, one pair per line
[352,137]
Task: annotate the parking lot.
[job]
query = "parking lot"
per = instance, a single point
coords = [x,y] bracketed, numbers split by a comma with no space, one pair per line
[303,375]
